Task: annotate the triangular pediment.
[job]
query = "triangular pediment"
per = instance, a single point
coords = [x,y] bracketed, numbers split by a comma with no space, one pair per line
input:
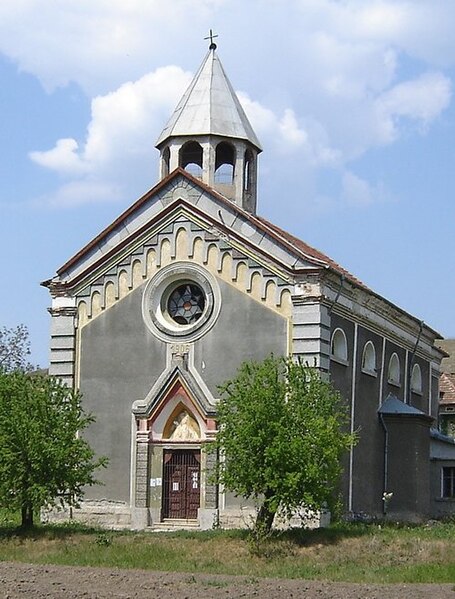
[182,198]
[174,383]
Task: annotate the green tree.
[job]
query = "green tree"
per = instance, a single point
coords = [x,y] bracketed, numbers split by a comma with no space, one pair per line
[282,432]
[42,457]
[14,348]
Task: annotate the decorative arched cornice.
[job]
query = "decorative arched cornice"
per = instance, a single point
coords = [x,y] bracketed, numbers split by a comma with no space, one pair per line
[169,384]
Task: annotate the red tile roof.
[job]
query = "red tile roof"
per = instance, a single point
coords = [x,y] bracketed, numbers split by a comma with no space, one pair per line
[310,251]
[447,389]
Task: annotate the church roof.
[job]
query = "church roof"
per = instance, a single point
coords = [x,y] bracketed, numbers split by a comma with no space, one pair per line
[309,251]
[210,107]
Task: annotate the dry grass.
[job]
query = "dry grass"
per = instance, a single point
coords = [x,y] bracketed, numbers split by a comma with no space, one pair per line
[356,553]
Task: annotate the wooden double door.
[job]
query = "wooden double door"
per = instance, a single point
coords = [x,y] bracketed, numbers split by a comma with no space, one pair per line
[181,483]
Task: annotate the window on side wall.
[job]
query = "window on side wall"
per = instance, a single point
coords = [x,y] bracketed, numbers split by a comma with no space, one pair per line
[448,482]
[369,359]
[394,370]
[416,379]
[339,347]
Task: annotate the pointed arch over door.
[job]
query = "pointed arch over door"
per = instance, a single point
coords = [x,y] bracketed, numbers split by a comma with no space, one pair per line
[182,425]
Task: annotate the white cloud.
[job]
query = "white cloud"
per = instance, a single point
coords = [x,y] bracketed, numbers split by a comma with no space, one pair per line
[80,192]
[118,148]
[63,158]
[356,191]
[292,135]
[421,99]
[335,89]
[422,29]
[96,43]
[284,135]
[100,43]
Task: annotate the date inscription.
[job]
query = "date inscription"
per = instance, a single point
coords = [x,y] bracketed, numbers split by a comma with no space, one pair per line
[180,348]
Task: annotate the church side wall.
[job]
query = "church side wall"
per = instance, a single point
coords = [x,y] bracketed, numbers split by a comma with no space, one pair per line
[368,454]
[363,480]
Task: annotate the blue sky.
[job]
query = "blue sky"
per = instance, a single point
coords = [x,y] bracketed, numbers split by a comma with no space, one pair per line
[352,101]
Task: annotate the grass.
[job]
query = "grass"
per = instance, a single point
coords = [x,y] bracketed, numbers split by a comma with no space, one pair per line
[343,552]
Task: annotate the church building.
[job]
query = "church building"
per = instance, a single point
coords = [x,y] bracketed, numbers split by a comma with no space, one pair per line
[189,282]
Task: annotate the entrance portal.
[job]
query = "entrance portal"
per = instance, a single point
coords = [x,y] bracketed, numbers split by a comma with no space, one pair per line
[181,483]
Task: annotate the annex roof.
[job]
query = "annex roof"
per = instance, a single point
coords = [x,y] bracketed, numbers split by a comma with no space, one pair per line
[392,405]
[210,107]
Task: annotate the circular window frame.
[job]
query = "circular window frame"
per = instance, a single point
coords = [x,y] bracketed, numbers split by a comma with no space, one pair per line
[156,297]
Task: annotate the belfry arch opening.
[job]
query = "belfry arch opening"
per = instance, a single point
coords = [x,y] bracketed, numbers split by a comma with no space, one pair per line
[248,171]
[166,161]
[191,158]
[224,163]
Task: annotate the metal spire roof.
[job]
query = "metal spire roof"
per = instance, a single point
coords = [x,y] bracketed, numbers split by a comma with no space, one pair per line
[210,107]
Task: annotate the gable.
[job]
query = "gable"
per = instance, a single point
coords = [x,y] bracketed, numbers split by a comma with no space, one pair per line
[155,208]
[183,239]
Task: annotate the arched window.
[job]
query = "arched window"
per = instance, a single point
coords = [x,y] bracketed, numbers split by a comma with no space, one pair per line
[394,370]
[190,158]
[339,346]
[369,358]
[416,379]
[224,163]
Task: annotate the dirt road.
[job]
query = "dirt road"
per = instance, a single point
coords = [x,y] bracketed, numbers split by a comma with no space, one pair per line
[39,582]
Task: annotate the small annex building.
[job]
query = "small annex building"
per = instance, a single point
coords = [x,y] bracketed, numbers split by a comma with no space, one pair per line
[189,282]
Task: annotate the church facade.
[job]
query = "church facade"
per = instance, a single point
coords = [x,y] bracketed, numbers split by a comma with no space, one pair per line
[166,303]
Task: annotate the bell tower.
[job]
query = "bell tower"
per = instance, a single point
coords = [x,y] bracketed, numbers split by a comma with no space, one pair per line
[209,136]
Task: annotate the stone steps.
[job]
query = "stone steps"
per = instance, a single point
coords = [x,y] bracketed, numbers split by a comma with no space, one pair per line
[173,524]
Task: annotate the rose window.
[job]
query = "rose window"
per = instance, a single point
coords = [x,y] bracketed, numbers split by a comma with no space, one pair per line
[186,304]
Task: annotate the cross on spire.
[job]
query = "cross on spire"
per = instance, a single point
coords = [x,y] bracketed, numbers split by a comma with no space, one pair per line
[210,37]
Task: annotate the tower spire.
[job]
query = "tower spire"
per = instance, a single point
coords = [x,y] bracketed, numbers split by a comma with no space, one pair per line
[210,136]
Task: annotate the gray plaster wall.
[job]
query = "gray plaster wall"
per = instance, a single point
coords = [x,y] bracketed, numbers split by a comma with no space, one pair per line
[434,408]
[341,379]
[121,360]
[420,400]
[245,330]
[368,454]
[409,466]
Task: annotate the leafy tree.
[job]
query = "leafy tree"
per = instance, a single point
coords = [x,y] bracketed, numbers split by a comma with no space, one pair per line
[42,457]
[282,431]
[14,348]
